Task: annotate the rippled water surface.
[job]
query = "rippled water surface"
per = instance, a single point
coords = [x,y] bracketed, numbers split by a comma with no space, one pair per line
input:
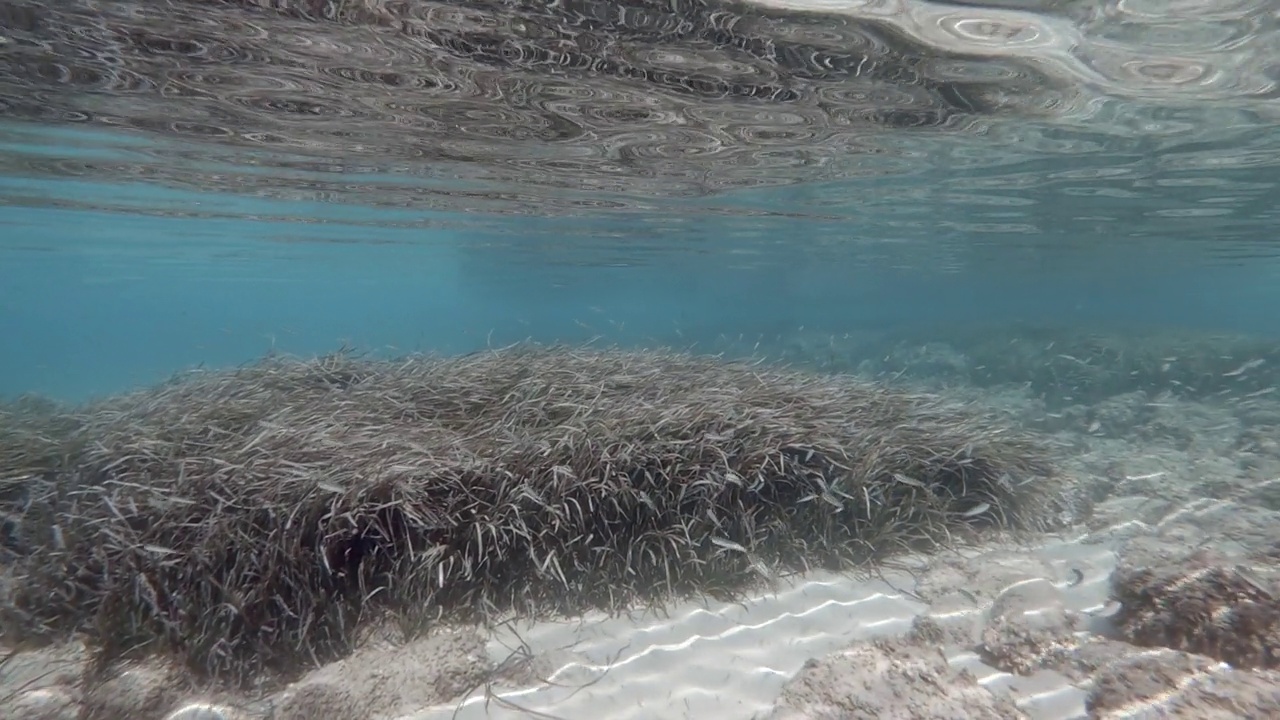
[1168,109]
[502,151]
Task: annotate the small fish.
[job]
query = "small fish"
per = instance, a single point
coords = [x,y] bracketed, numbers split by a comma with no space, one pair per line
[1248,576]
[727,544]
[1094,426]
[1244,368]
[763,570]
[976,510]
[648,501]
[908,481]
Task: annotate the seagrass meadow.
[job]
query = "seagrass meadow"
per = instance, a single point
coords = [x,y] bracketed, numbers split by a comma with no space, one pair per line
[254,522]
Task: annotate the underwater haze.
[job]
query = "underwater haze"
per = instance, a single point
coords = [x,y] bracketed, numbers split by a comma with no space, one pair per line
[635,359]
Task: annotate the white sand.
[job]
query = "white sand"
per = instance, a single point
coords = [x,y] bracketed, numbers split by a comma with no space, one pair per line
[732,661]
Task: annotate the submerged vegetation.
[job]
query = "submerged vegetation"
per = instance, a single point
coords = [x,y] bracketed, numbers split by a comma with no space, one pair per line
[253,522]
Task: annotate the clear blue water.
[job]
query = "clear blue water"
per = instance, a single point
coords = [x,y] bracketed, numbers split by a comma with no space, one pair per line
[202,182]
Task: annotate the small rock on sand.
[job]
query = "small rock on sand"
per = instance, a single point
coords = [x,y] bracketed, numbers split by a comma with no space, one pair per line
[139,692]
[888,680]
[1180,686]
[387,679]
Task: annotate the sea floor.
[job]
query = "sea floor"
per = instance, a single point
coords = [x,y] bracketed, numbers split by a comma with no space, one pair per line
[1010,630]
[1163,602]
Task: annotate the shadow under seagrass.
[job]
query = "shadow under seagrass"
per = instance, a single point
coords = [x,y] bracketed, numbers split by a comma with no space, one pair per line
[253,521]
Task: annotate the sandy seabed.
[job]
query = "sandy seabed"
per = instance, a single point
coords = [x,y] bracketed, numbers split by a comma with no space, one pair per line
[1164,601]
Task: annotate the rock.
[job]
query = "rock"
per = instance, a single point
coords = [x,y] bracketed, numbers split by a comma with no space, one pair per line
[1200,604]
[888,680]
[48,703]
[138,692]
[1181,686]
[318,701]
[397,678]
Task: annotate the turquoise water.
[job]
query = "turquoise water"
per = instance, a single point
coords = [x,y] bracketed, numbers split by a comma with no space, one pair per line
[204,182]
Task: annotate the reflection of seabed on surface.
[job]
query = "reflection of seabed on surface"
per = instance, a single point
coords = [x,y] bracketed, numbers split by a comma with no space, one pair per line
[914,120]
[658,102]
